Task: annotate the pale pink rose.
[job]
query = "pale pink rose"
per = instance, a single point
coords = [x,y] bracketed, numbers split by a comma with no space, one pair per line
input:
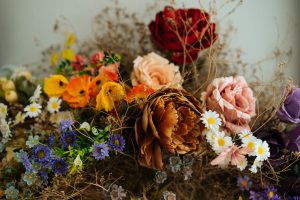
[233,155]
[233,100]
[155,72]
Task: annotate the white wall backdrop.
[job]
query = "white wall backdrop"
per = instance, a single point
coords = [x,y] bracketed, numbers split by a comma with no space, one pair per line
[26,27]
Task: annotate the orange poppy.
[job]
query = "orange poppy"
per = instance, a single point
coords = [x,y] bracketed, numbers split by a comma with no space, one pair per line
[138,92]
[77,92]
[105,75]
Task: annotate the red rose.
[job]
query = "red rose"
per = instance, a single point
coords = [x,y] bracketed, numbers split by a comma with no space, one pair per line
[183,32]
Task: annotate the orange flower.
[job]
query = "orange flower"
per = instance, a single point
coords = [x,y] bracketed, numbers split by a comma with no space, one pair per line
[109,93]
[104,76]
[140,91]
[77,92]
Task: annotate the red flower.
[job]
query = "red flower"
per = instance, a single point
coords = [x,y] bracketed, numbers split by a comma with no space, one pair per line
[78,62]
[183,32]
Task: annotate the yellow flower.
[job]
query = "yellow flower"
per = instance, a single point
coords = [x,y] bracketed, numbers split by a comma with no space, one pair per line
[71,40]
[68,54]
[54,59]
[109,93]
[55,85]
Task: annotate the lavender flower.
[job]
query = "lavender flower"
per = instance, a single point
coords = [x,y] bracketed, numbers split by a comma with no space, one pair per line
[66,125]
[50,141]
[270,193]
[117,192]
[26,162]
[100,151]
[41,153]
[69,139]
[116,142]
[244,183]
[160,177]
[43,176]
[256,196]
[294,136]
[59,166]
[290,109]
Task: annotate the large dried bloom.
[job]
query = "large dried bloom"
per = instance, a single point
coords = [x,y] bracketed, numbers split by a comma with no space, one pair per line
[170,121]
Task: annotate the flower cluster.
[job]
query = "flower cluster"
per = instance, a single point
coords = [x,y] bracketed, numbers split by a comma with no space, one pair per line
[232,151]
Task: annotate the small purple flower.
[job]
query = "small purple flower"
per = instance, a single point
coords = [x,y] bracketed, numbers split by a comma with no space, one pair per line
[294,136]
[256,196]
[25,161]
[271,193]
[43,176]
[294,198]
[66,125]
[59,166]
[69,139]
[41,153]
[290,109]
[50,141]
[244,183]
[100,151]
[116,142]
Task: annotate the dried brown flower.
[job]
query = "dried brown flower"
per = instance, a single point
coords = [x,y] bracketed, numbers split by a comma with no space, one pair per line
[170,121]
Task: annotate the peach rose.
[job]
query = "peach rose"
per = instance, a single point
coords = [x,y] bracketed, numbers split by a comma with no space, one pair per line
[233,100]
[156,72]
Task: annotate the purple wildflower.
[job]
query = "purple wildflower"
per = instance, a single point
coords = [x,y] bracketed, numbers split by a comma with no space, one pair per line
[41,153]
[244,183]
[270,193]
[43,176]
[50,141]
[69,139]
[25,161]
[100,151]
[294,198]
[59,166]
[66,125]
[116,142]
[256,196]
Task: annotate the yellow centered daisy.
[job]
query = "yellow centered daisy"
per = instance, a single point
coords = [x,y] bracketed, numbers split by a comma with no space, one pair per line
[260,150]
[32,109]
[221,142]
[54,105]
[211,121]
[250,145]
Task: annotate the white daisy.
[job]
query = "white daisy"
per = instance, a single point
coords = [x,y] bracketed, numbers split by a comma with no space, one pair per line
[86,126]
[53,104]
[221,142]
[3,110]
[244,134]
[262,150]
[256,164]
[242,165]
[36,95]
[4,128]
[19,118]
[33,110]
[211,120]
[209,135]
[78,161]
[250,143]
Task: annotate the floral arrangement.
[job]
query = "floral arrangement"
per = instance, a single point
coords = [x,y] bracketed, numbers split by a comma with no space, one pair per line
[85,127]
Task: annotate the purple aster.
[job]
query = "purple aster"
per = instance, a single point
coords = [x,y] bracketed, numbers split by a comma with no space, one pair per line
[50,141]
[59,166]
[256,196]
[41,153]
[25,161]
[294,198]
[270,193]
[244,183]
[116,142]
[69,139]
[66,125]
[43,176]
[100,151]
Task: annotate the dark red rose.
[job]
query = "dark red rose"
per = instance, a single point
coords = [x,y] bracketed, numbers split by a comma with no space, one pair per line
[183,33]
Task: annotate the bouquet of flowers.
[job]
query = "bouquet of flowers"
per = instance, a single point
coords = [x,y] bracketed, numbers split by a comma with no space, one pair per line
[153,129]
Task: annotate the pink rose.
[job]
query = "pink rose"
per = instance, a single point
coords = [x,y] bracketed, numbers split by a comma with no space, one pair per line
[233,100]
[97,57]
[156,72]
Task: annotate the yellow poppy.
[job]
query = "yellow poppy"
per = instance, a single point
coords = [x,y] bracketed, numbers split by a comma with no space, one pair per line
[55,85]
[68,54]
[54,59]
[70,40]
[109,93]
